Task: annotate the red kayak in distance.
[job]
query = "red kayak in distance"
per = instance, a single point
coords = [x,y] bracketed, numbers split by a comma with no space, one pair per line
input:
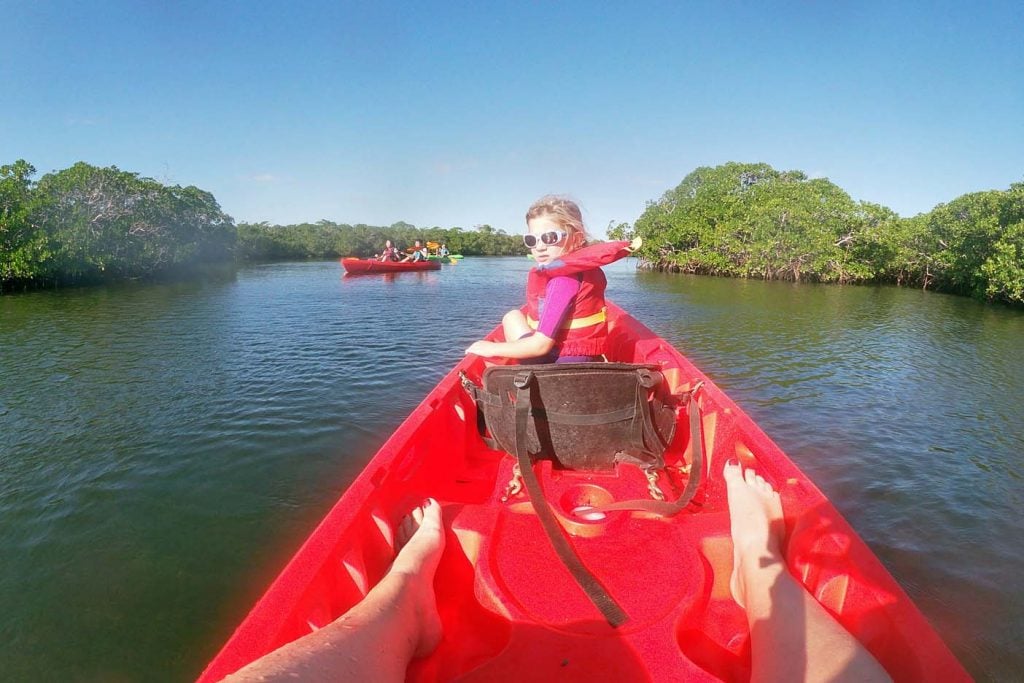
[357,266]
[509,607]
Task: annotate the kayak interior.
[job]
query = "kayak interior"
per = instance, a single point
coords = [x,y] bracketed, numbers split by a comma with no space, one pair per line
[510,609]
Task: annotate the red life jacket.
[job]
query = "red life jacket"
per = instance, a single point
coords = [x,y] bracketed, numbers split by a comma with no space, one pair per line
[584,331]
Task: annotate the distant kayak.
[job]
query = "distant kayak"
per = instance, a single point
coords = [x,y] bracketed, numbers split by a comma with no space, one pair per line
[359,266]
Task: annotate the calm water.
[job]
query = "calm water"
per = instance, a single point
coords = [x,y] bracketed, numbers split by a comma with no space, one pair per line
[165,448]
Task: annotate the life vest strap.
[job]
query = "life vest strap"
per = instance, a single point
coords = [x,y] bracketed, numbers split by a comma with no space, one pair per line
[575,323]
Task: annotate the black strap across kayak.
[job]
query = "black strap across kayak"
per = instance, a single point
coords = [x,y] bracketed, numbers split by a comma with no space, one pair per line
[598,595]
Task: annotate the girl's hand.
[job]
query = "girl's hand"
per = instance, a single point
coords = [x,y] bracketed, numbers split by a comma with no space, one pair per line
[481,348]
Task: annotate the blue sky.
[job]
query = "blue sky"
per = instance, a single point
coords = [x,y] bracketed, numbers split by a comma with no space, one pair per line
[463,113]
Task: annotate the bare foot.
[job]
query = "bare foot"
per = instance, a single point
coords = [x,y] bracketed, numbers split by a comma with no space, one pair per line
[420,538]
[756,524]
[376,639]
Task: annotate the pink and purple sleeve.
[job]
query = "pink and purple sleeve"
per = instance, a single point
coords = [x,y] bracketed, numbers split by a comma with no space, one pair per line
[558,299]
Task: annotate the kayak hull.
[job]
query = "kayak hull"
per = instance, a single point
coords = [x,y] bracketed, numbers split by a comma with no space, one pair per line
[357,266]
[510,609]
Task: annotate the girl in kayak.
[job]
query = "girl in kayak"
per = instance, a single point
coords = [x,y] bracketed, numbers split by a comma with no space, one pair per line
[792,637]
[390,252]
[565,313]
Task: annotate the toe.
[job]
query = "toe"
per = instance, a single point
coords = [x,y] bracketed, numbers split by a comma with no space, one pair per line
[731,469]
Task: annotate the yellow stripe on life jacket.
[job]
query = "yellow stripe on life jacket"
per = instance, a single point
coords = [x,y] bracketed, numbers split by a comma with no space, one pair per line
[575,323]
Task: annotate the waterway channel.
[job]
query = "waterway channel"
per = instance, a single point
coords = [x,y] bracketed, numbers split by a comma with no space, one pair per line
[164,448]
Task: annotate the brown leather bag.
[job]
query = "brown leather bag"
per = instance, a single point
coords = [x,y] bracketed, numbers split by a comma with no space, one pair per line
[583,416]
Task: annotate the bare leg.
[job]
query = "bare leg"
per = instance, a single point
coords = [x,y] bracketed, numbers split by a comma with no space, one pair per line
[792,637]
[514,325]
[375,640]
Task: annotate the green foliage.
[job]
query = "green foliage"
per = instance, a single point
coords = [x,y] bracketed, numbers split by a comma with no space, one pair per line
[1003,270]
[622,231]
[969,232]
[87,224]
[108,223]
[749,220]
[24,248]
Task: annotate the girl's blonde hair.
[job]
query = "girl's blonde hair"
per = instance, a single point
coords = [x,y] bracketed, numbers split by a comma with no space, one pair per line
[566,213]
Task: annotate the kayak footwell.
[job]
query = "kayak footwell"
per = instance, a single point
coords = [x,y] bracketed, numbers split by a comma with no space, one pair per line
[535,612]
[506,599]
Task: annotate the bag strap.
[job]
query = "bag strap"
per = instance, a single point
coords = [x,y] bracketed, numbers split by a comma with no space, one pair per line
[645,437]
[611,610]
[664,508]
[480,396]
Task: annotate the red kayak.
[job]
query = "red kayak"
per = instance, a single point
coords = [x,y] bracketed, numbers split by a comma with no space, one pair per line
[356,265]
[510,608]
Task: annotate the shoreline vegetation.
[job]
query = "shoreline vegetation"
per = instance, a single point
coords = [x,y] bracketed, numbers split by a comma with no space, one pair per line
[87,224]
[752,221]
